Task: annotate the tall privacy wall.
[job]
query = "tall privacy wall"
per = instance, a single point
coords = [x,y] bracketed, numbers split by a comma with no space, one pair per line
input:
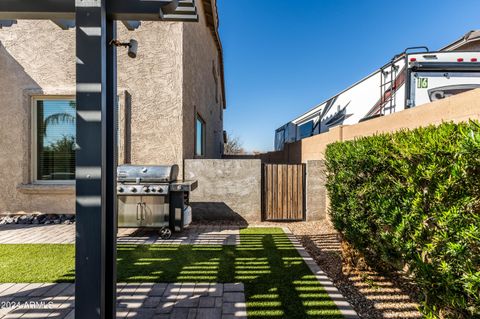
[232,189]
[457,108]
[311,151]
[227,189]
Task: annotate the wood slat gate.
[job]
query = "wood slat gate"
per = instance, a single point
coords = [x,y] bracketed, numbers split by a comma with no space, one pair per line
[283,192]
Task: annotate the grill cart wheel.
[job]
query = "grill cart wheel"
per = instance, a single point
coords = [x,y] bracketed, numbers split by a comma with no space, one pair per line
[165,233]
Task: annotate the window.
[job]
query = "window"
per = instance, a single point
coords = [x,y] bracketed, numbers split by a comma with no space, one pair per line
[53,139]
[306,130]
[279,139]
[199,136]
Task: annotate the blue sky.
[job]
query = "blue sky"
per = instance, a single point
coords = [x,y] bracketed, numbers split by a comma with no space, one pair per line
[57,131]
[284,57]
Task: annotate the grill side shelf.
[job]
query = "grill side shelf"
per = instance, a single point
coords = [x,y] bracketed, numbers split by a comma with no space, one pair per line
[183,186]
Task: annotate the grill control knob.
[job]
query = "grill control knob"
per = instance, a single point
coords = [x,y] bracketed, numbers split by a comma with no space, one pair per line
[146,189]
[133,189]
[120,189]
[160,190]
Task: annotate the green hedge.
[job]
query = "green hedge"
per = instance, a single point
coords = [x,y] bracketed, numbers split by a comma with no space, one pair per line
[411,200]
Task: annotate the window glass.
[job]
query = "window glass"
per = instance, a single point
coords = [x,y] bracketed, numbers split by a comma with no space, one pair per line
[200,137]
[279,139]
[55,140]
[306,130]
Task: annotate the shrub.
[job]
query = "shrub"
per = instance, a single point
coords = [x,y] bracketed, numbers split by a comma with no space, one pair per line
[411,200]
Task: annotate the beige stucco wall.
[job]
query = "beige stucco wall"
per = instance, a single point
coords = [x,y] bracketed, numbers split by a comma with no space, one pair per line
[38,58]
[154,82]
[472,46]
[29,66]
[227,189]
[202,87]
[458,108]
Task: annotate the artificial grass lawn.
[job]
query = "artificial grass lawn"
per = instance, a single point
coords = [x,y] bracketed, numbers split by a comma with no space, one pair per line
[277,281]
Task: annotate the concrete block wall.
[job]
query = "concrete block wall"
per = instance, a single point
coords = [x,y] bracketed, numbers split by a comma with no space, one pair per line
[230,189]
[316,191]
[227,189]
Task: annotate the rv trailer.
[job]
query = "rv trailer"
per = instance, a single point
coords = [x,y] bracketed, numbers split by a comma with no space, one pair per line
[409,80]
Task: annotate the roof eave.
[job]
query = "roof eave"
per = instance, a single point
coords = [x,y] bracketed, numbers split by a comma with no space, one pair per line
[211,15]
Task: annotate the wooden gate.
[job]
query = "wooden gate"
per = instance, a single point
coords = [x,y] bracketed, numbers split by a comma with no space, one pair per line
[283,192]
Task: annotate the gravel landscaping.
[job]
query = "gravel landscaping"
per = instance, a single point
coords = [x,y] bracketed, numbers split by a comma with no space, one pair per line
[37,219]
[372,294]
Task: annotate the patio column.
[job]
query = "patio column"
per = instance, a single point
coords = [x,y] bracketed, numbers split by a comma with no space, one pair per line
[95,275]
[95,262]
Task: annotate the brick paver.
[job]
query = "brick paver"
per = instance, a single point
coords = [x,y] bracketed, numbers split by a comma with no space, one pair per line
[65,234]
[33,234]
[134,300]
[142,300]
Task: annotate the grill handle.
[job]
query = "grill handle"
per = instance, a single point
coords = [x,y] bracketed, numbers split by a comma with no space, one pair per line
[138,206]
[143,214]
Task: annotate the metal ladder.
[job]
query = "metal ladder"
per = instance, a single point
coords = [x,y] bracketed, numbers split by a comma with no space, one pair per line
[388,89]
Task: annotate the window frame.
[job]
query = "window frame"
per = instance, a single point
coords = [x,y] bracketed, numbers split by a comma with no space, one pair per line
[198,117]
[310,125]
[34,139]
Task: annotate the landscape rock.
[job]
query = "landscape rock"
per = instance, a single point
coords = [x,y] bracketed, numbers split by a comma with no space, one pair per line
[37,219]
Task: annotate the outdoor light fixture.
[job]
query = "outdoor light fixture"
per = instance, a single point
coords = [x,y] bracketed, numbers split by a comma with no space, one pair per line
[132,46]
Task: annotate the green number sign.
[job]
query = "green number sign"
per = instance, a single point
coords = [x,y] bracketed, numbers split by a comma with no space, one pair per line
[422,83]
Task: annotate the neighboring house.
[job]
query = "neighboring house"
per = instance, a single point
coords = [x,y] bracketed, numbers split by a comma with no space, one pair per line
[171,103]
[469,42]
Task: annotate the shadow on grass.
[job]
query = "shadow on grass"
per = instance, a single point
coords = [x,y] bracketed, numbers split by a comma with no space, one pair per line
[278,284]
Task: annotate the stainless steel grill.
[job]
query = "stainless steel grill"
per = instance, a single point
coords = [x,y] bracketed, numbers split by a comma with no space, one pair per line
[151,197]
[147,174]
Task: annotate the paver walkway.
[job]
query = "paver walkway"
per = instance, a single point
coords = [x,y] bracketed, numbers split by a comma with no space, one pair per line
[65,234]
[145,300]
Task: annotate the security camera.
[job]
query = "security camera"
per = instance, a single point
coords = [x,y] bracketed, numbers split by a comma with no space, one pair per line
[132,47]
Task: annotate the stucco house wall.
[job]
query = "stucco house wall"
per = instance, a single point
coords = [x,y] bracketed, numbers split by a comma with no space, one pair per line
[202,85]
[159,92]
[469,42]
[153,83]
[29,67]
[472,46]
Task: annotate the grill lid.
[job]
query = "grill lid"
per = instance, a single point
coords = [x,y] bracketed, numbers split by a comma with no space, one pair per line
[147,173]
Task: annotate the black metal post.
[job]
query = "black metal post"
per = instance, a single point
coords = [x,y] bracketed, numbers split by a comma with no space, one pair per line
[95,206]
[96,226]
[110,163]
[126,10]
